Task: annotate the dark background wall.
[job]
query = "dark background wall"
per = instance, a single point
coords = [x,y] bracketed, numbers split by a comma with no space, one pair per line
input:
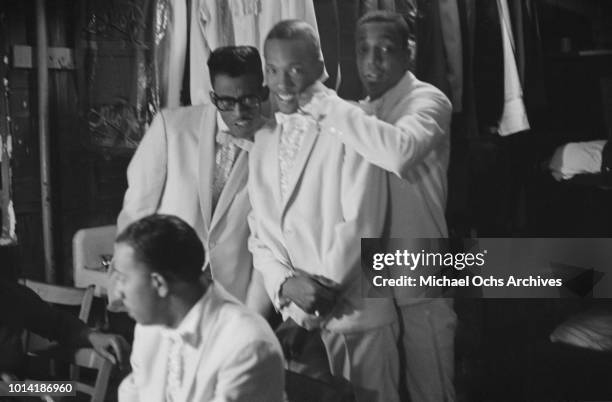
[87,185]
[88,181]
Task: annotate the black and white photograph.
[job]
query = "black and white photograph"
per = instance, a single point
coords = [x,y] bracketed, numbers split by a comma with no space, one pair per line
[306,200]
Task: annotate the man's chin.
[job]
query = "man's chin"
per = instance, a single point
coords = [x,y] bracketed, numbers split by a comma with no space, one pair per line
[287,108]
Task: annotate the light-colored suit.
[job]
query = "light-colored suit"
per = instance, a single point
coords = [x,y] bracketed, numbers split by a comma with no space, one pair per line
[408,135]
[334,198]
[172,173]
[238,358]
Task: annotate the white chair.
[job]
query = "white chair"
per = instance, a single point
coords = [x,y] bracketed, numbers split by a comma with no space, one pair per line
[92,251]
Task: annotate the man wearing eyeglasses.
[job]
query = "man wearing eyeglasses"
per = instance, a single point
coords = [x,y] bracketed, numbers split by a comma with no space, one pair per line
[193,163]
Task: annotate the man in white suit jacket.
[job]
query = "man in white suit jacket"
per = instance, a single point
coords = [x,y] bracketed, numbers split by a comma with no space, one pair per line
[406,132]
[182,167]
[193,341]
[313,200]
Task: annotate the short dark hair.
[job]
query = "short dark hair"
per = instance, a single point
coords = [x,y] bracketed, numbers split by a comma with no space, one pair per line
[397,20]
[297,30]
[235,61]
[167,245]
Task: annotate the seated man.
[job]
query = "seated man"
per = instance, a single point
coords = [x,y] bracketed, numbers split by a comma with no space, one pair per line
[192,163]
[193,341]
[21,308]
[313,200]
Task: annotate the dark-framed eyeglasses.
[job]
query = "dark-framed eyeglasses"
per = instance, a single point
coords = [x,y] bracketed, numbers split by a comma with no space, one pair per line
[227,103]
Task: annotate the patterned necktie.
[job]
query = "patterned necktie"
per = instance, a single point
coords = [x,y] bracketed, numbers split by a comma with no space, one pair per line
[293,128]
[175,369]
[225,154]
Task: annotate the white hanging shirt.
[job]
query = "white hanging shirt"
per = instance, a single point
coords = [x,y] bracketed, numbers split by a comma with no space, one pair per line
[514,116]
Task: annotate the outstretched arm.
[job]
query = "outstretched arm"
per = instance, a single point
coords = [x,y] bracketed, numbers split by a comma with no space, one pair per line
[395,147]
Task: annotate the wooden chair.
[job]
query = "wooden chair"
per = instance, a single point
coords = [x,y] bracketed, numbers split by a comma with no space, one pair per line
[82,299]
[83,358]
[88,358]
[63,296]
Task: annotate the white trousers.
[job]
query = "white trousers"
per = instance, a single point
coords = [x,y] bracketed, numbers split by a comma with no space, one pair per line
[428,336]
[368,359]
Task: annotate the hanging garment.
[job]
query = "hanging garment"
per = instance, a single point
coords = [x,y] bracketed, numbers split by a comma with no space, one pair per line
[176,53]
[439,48]
[452,40]
[235,22]
[328,17]
[488,63]
[211,27]
[514,115]
[528,52]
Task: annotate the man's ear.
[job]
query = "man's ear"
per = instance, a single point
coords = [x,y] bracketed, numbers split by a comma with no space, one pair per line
[160,284]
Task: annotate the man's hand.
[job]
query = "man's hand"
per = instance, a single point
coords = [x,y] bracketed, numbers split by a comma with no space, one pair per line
[309,294]
[310,102]
[110,346]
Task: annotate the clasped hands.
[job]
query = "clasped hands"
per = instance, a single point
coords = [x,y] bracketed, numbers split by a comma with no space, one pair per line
[315,294]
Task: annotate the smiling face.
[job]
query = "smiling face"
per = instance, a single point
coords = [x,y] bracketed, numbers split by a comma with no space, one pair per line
[242,120]
[382,60]
[291,67]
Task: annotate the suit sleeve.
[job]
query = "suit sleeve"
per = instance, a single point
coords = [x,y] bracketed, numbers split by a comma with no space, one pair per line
[23,308]
[396,147]
[146,175]
[273,271]
[364,203]
[254,374]
[257,298]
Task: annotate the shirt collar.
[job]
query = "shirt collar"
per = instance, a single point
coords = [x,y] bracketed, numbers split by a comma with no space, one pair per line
[224,137]
[188,330]
[301,117]
[391,97]
[284,119]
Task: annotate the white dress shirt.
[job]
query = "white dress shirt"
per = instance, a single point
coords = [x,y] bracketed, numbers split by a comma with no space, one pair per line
[293,129]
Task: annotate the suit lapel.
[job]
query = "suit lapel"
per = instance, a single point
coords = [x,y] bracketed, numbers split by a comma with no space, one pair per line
[308,142]
[208,130]
[235,182]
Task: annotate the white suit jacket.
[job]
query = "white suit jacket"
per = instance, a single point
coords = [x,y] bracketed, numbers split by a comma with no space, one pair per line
[417,203]
[238,359]
[172,173]
[334,199]
[418,195]
[405,132]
